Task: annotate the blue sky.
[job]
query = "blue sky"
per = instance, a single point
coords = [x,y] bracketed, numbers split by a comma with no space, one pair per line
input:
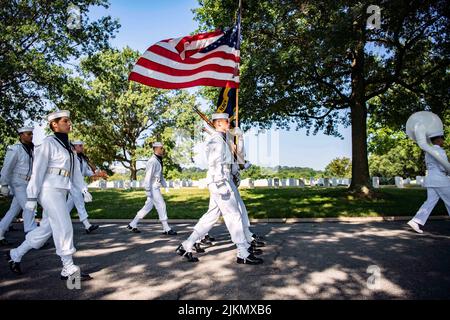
[146,22]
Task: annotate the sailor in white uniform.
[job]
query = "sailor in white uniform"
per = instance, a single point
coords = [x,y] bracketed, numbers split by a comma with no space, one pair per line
[222,197]
[78,197]
[55,170]
[15,175]
[153,182]
[437,183]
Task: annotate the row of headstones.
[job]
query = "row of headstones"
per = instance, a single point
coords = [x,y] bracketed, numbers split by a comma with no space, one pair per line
[400,182]
[282,183]
[128,184]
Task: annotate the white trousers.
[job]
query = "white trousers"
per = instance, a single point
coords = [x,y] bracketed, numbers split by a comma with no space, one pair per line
[229,208]
[433,196]
[55,222]
[17,205]
[76,199]
[154,198]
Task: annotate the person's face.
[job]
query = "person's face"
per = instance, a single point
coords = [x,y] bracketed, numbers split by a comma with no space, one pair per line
[26,137]
[159,151]
[64,125]
[439,141]
[222,125]
[79,148]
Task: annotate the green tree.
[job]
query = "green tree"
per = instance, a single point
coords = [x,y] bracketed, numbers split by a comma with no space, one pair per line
[116,117]
[37,39]
[339,167]
[317,65]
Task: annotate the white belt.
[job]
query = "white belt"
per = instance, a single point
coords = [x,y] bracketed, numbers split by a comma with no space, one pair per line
[59,172]
[22,176]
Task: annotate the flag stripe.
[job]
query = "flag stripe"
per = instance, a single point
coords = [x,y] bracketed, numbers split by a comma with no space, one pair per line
[191,60]
[160,66]
[149,56]
[178,79]
[170,85]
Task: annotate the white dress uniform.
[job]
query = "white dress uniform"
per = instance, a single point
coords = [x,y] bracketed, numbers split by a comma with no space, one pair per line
[222,197]
[76,197]
[438,186]
[16,172]
[55,169]
[153,182]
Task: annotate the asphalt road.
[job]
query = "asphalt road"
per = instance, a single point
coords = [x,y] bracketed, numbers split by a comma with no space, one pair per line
[376,260]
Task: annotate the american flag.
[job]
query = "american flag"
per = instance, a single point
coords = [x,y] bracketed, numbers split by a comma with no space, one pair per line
[206,59]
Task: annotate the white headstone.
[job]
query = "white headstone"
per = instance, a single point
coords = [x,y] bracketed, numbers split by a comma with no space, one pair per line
[312,182]
[326,182]
[102,184]
[399,182]
[301,183]
[419,180]
[292,182]
[376,182]
[261,183]
[407,181]
[334,182]
[247,183]
[110,184]
[276,182]
[177,184]
[283,182]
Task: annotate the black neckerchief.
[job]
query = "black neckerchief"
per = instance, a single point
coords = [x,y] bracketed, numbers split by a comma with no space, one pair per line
[29,148]
[160,160]
[63,140]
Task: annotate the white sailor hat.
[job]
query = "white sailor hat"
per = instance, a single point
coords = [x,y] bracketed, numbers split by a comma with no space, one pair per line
[435,134]
[216,116]
[78,142]
[157,144]
[25,129]
[58,114]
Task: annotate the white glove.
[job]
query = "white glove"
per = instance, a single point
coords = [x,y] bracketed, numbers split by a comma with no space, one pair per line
[247,165]
[4,191]
[236,131]
[87,196]
[31,205]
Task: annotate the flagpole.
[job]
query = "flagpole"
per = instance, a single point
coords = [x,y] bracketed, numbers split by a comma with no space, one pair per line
[237,89]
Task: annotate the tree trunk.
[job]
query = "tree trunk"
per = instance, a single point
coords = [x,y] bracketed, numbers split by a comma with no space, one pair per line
[133,170]
[360,164]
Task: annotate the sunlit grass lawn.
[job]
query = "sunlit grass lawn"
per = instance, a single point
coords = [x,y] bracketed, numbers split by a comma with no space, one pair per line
[191,203]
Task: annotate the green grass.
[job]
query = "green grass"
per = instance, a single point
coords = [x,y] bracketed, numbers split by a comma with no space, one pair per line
[191,203]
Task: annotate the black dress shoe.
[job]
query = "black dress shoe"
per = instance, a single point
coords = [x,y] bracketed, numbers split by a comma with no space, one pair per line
[83,277]
[4,242]
[208,237]
[13,266]
[187,255]
[134,230]
[257,237]
[92,228]
[206,242]
[257,244]
[170,233]
[255,251]
[251,259]
[198,248]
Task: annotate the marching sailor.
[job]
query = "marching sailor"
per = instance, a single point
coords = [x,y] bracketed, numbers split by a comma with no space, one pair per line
[437,183]
[222,197]
[78,197]
[55,170]
[153,182]
[15,174]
